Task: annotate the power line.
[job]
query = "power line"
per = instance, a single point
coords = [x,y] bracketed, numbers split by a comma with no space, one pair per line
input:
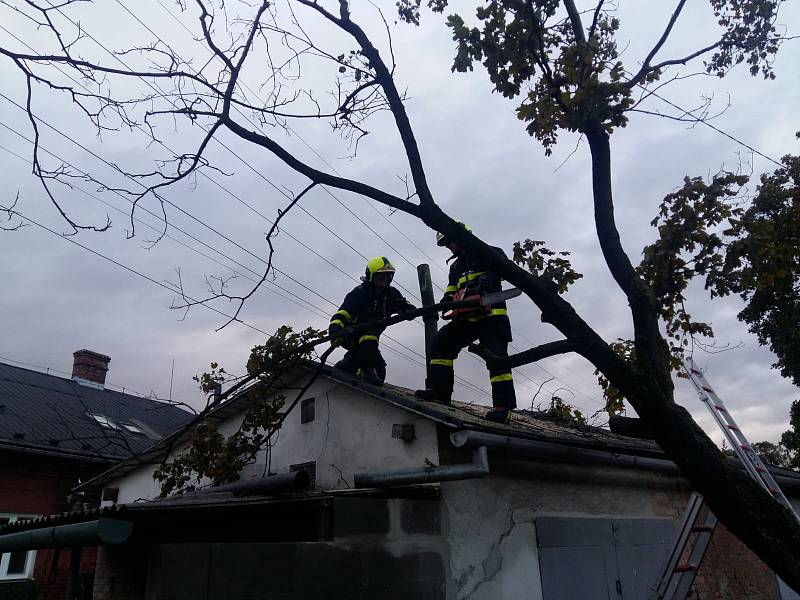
[206,225]
[244,162]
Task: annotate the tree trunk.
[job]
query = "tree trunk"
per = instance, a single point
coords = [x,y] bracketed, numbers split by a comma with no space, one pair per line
[764,525]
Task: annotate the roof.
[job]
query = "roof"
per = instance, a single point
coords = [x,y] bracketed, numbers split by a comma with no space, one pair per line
[459,416]
[42,413]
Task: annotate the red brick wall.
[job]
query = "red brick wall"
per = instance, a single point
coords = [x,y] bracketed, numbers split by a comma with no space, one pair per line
[39,486]
[730,571]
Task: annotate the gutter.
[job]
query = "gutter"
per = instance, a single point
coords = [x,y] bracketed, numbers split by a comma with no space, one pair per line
[518,447]
[479,467]
[92,533]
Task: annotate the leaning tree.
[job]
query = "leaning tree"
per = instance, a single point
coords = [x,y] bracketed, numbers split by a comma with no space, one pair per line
[559,62]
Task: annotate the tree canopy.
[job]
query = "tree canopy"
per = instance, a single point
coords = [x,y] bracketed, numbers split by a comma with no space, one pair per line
[562,67]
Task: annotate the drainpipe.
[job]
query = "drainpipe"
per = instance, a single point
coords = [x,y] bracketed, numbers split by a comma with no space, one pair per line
[430,320]
[274,484]
[92,533]
[479,467]
[73,586]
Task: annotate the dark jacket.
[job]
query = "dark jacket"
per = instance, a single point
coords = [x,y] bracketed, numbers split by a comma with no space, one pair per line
[466,273]
[366,303]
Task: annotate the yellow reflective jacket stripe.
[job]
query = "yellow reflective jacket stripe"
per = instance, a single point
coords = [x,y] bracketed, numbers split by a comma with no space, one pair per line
[499,378]
[468,278]
[347,316]
[368,338]
[337,322]
[443,362]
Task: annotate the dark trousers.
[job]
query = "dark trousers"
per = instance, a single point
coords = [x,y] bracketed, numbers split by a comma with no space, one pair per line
[363,353]
[448,343]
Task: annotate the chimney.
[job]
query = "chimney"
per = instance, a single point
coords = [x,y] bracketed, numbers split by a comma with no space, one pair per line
[90,368]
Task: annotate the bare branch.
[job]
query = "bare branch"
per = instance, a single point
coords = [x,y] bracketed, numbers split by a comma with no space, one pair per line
[523,358]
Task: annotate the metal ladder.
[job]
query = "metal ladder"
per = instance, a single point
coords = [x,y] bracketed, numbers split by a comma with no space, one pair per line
[679,570]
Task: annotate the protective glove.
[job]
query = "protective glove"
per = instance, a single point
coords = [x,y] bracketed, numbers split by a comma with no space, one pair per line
[339,339]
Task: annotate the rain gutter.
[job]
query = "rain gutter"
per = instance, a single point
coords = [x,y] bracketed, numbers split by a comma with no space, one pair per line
[519,447]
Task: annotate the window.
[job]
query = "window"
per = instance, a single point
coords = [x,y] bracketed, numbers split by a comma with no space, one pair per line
[307,410]
[17,564]
[104,421]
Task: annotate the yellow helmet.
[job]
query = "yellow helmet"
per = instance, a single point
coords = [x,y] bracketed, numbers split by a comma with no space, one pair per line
[441,240]
[379,264]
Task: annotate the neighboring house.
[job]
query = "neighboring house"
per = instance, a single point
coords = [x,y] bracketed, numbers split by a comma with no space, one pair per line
[54,434]
[407,500]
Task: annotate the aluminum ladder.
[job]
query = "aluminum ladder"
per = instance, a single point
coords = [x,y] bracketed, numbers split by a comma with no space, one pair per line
[680,568]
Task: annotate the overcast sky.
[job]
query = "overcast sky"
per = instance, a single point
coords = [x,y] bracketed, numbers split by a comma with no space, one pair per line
[60,294]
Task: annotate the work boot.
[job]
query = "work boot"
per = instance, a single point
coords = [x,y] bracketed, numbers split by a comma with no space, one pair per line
[429,395]
[499,414]
[370,376]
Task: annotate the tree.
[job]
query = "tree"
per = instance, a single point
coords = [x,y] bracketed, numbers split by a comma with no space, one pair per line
[568,75]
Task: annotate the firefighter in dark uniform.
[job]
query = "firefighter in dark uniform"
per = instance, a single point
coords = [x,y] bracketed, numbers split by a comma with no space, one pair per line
[373,300]
[491,327]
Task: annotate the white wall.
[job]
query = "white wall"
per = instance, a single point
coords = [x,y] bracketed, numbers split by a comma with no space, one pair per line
[351,432]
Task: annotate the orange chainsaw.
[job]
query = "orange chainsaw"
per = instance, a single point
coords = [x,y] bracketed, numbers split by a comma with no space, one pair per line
[485,303]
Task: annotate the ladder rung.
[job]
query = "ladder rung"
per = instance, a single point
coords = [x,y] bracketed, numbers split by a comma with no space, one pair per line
[685,568]
[733,428]
[774,491]
[745,446]
[696,371]
[708,389]
[720,407]
[702,529]
[760,469]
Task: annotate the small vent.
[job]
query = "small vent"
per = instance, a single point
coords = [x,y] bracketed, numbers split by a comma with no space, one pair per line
[308,467]
[307,410]
[403,431]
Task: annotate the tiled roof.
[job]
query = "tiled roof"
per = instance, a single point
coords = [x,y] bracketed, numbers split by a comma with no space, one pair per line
[41,412]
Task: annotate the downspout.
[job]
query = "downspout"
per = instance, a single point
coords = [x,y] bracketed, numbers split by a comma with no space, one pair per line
[73,584]
[479,467]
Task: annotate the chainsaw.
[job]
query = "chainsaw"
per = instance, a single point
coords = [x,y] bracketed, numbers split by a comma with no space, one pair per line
[485,303]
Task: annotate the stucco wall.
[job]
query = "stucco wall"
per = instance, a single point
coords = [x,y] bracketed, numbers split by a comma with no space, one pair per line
[351,432]
[491,522]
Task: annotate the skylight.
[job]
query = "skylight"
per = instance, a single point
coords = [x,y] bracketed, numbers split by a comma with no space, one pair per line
[104,421]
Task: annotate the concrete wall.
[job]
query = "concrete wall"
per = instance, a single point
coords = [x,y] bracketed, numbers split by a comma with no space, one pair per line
[351,432]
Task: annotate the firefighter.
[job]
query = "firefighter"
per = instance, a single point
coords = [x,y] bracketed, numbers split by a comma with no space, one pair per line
[490,325]
[373,300]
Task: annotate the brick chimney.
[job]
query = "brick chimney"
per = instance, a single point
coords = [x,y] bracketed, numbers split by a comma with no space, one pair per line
[90,367]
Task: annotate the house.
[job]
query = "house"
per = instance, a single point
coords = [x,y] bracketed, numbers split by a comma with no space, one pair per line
[55,433]
[367,493]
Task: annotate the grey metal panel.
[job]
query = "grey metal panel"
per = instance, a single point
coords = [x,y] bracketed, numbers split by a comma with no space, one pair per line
[786,592]
[578,573]
[552,532]
[639,567]
[635,532]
